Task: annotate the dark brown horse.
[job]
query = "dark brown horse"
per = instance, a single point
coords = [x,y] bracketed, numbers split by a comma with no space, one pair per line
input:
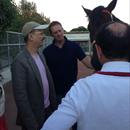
[97,17]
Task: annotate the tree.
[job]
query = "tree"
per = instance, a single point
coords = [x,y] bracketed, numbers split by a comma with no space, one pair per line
[79,29]
[27,11]
[7,13]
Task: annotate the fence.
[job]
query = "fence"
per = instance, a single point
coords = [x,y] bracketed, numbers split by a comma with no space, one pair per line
[12,42]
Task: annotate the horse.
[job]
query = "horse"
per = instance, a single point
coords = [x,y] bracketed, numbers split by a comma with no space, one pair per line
[97,17]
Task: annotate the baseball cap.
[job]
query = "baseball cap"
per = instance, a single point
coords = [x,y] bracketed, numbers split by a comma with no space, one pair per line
[29,26]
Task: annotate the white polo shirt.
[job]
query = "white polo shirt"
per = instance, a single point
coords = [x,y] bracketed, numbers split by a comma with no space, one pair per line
[97,102]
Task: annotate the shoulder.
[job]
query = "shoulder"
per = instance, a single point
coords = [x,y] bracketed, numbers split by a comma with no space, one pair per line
[79,94]
[83,85]
[21,58]
[73,44]
[79,89]
[48,48]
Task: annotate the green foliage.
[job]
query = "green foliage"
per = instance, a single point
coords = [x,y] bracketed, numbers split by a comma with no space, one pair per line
[79,29]
[27,11]
[7,13]
[13,17]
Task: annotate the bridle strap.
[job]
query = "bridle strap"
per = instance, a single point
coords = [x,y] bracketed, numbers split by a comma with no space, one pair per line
[108,12]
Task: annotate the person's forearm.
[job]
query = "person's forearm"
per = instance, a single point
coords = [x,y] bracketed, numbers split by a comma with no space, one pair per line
[87,62]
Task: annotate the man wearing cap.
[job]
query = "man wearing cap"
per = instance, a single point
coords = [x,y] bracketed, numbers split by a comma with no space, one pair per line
[32,83]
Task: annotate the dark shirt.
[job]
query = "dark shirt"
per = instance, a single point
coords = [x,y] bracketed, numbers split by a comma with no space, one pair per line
[62,63]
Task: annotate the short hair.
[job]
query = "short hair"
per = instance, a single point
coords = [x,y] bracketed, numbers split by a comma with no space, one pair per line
[114,40]
[53,23]
[26,38]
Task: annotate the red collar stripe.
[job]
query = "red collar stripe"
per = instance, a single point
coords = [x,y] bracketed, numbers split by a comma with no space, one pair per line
[124,74]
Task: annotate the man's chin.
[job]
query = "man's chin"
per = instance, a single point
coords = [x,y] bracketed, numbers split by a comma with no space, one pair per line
[40,45]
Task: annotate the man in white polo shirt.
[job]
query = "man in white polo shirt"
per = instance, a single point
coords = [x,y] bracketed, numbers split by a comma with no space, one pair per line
[100,101]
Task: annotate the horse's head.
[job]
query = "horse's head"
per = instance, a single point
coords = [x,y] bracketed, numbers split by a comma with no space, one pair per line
[99,16]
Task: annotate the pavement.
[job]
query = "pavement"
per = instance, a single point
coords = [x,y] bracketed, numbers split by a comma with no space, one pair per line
[10,106]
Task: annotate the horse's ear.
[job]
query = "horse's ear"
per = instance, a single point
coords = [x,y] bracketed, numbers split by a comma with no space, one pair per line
[87,11]
[111,6]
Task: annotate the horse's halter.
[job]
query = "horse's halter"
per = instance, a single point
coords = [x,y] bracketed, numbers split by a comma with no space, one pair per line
[108,12]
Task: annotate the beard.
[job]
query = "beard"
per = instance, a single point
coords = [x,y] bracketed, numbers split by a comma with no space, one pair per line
[95,61]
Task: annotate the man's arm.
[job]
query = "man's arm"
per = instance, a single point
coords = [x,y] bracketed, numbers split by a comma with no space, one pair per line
[66,114]
[87,62]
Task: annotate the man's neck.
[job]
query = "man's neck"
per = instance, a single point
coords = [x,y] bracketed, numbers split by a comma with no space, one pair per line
[59,43]
[32,50]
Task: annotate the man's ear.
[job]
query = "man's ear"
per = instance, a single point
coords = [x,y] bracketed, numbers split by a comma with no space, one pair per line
[99,51]
[30,36]
[100,54]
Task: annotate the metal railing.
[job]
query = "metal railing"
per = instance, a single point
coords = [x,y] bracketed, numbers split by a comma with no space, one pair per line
[11,43]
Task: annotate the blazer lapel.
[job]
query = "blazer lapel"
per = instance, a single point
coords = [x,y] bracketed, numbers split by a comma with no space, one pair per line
[34,67]
[44,63]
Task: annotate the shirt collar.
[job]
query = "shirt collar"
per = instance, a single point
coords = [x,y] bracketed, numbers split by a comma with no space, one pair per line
[116,66]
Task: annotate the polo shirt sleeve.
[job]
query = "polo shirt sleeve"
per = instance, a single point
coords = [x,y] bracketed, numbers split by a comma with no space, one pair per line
[79,52]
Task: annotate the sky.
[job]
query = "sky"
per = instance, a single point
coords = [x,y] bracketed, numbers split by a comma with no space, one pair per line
[70,13]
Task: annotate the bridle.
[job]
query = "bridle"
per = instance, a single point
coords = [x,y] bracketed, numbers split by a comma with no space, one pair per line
[108,12]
